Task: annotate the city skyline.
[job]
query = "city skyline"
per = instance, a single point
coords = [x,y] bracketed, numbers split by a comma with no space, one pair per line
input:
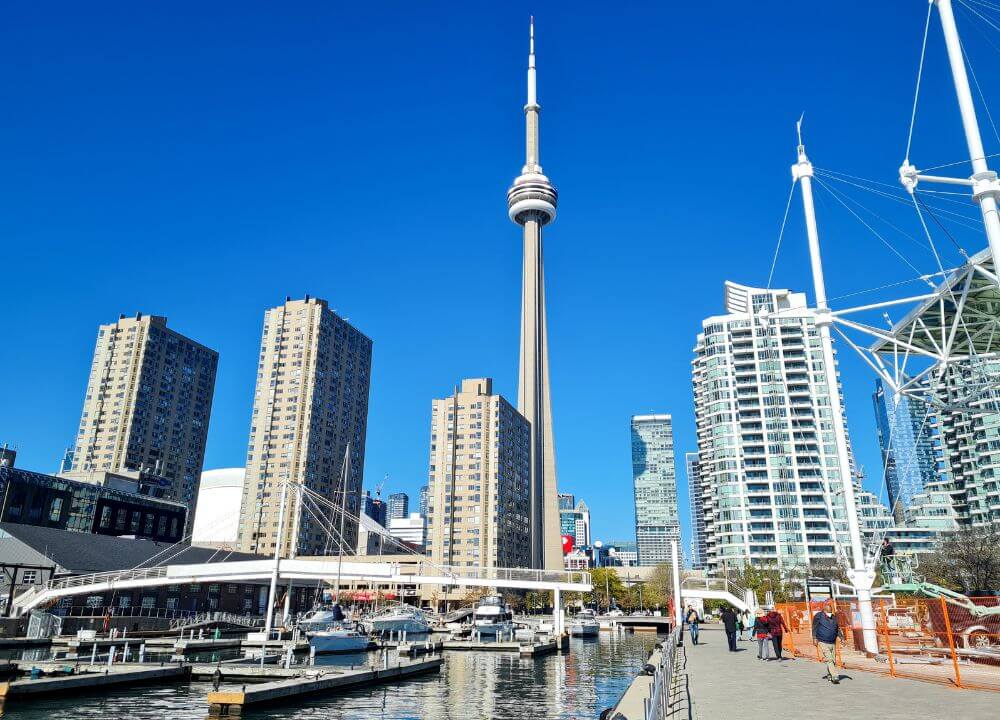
[40,416]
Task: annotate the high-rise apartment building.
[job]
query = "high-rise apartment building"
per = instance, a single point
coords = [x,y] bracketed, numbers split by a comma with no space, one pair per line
[964,494]
[768,461]
[398,506]
[146,411]
[911,455]
[698,546]
[310,405]
[654,481]
[376,509]
[479,484]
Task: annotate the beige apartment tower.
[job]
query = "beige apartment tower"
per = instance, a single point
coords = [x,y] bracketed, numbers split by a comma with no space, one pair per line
[310,403]
[479,505]
[146,412]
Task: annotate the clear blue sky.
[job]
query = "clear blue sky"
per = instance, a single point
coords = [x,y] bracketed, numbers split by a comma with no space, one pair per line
[163,157]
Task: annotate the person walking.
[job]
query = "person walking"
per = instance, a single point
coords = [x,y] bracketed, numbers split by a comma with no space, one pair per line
[730,622]
[826,630]
[692,620]
[747,620]
[777,626]
[762,632]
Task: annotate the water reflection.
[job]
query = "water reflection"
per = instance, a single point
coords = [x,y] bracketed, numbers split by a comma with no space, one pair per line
[471,685]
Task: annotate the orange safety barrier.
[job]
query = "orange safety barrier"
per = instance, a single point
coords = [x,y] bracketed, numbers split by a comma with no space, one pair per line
[918,638]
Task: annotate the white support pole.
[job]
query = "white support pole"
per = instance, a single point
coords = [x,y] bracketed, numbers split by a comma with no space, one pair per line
[557,612]
[274,573]
[860,575]
[985,186]
[676,567]
[296,514]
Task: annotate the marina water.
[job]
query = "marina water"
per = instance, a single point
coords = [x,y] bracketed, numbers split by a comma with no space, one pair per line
[579,684]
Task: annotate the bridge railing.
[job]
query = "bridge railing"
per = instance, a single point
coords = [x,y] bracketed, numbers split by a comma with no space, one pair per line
[715,584]
[504,574]
[106,577]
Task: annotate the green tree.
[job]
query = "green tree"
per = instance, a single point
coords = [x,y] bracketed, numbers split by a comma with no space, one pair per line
[607,587]
[965,561]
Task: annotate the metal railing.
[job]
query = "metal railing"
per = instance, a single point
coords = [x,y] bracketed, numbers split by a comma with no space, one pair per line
[716,584]
[657,706]
[218,617]
[501,573]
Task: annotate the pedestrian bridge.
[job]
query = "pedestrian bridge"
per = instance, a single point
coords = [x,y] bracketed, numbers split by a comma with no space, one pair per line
[312,568]
[706,588]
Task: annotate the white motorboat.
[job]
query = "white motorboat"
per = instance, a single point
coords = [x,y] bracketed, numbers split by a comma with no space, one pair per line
[330,631]
[337,640]
[492,617]
[584,624]
[397,619]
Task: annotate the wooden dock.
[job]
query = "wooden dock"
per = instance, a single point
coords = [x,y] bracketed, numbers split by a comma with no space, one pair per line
[89,681]
[315,681]
[525,649]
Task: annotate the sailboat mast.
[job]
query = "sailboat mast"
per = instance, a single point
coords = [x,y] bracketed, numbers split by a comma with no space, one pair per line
[343,512]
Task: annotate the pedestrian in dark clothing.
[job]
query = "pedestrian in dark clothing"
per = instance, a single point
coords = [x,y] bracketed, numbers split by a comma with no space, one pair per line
[826,630]
[731,623]
[692,619]
[777,626]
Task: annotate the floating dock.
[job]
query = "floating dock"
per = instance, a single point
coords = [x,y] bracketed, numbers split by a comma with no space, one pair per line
[526,649]
[230,703]
[99,679]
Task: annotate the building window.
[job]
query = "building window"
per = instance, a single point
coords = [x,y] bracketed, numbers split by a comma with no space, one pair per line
[105,517]
[172,603]
[95,601]
[55,509]
[29,577]
[149,602]
[125,601]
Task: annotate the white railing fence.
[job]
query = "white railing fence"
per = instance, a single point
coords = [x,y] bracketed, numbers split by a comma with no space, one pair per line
[657,706]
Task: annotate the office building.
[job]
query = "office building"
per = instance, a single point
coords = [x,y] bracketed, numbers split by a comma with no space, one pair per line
[114,507]
[911,454]
[654,484]
[217,521]
[698,545]
[423,501]
[411,530]
[310,406]
[376,509]
[575,522]
[768,459]
[622,553]
[146,410]
[531,203]
[398,506]
[566,501]
[479,501]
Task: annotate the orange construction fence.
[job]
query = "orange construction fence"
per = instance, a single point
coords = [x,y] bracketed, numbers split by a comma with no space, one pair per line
[918,638]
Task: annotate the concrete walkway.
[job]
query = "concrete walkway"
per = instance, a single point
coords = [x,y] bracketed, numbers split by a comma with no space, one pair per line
[738,685]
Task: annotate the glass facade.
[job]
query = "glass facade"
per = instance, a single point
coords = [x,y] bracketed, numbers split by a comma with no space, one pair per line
[32,498]
[698,545]
[910,453]
[655,485]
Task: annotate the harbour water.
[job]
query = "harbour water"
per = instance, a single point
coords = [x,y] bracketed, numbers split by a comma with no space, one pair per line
[574,686]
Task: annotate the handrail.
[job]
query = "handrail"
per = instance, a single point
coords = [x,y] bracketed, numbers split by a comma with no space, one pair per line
[657,707]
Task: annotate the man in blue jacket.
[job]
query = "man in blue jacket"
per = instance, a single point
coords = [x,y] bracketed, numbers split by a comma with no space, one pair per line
[826,630]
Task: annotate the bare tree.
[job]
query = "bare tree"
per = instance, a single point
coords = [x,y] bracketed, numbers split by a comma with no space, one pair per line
[967,560]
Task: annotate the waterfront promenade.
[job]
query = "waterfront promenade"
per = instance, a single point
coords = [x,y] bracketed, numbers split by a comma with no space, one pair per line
[724,684]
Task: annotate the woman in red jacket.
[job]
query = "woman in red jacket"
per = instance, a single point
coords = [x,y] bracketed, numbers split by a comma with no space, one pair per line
[776,623]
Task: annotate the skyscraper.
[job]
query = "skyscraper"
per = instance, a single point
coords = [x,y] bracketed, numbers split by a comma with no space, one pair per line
[655,485]
[480,469]
[310,404]
[910,455]
[423,500]
[698,546]
[146,412]
[574,521]
[566,501]
[398,506]
[767,453]
[531,203]
[375,508]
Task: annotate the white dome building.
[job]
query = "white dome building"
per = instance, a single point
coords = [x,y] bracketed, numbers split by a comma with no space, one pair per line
[217,518]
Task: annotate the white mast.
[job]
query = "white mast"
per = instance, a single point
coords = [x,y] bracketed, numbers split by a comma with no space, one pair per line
[343,511]
[860,576]
[984,183]
[274,572]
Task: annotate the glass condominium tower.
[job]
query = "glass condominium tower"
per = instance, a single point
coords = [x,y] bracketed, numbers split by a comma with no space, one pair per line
[654,480]
[767,455]
[910,455]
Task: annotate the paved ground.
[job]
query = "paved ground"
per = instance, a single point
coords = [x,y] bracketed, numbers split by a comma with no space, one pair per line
[736,685]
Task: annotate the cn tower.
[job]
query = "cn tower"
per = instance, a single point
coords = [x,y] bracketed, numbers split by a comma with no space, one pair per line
[531,203]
